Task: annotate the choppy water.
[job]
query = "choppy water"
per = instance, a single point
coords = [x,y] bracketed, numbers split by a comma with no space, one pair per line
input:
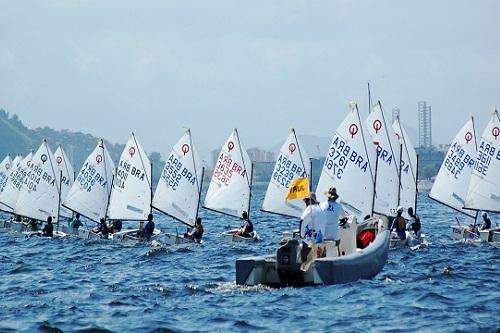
[89,285]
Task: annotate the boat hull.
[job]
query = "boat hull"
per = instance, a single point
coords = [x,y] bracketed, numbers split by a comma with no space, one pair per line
[229,236]
[410,241]
[173,239]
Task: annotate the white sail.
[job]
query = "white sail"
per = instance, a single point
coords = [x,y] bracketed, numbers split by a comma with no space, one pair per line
[39,194]
[292,162]
[484,187]
[452,180]
[179,187]
[65,169]
[387,167]
[408,190]
[131,192]
[5,170]
[349,166]
[229,189]
[11,191]
[89,194]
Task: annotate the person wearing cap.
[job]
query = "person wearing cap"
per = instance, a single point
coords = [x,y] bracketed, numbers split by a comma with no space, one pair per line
[486,222]
[332,212]
[400,224]
[414,223]
[312,216]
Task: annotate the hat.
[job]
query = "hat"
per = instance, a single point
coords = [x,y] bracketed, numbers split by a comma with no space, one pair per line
[400,209]
[332,193]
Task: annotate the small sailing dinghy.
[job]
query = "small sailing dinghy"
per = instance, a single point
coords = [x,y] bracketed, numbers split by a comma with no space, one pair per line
[229,192]
[452,180]
[131,192]
[325,263]
[483,192]
[408,188]
[89,194]
[179,187]
[40,195]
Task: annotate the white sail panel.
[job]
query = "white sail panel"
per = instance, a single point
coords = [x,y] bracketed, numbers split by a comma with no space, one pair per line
[131,192]
[229,189]
[452,180]
[179,187]
[65,169]
[387,167]
[484,188]
[39,194]
[349,166]
[89,194]
[292,162]
[408,190]
[11,191]
[6,167]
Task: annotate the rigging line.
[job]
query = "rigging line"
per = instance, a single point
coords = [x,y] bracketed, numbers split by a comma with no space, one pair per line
[300,152]
[364,144]
[249,182]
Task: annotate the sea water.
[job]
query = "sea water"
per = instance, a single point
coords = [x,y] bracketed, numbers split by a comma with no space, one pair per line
[95,285]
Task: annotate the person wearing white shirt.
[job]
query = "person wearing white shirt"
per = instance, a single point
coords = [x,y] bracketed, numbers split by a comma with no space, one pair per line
[311,217]
[332,212]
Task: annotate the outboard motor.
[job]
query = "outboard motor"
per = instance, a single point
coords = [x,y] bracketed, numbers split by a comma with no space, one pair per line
[287,265]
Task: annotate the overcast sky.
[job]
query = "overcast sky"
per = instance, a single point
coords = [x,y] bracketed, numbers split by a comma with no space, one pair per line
[154,67]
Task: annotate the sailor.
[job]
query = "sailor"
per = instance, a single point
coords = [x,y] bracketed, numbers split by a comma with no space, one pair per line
[486,222]
[75,222]
[115,226]
[103,229]
[332,212]
[149,228]
[311,219]
[399,223]
[197,232]
[414,223]
[32,224]
[48,230]
[247,227]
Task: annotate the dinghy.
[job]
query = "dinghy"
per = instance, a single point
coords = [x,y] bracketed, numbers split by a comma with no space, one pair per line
[452,180]
[179,187]
[364,246]
[131,192]
[39,194]
[229,192]
[483,192]
[89,194]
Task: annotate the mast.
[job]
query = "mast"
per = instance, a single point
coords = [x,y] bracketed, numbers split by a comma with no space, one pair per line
[416,187]
[369,99]
[151,188]
[199,192]
[249,181]
[250,193]
[59,205]
[399,173]
[374,185]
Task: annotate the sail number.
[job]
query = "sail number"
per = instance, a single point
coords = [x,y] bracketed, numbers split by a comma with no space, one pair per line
[174,172]
[457,159]
[3,180]
[285,170]
[225,169]
[485,154]
[339,156]
[88,177]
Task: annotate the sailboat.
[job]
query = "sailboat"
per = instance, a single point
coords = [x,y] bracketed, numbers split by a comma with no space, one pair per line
[407,186]
[179,187]
[40,194]
[5,170]
[89,194]
[326,263]
[484,186]
[229,191]
[452,180]
[292,162]
[131,192]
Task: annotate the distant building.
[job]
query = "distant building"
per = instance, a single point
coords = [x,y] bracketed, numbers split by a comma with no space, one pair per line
[424,125]
[214,155]
[395,114]
[259,155]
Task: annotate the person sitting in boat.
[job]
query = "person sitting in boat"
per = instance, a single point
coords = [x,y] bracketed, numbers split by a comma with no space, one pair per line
[400,224]
[311,217]
[115,226]
[414,223]
[103,228]
[149,228]
[197,232]
[33,225]
[75,222]
[246,229]
[48,230]
[332,211]
[486,222]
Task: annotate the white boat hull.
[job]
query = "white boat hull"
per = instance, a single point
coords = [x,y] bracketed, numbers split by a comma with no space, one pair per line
[229,236]
[411,241]
[173,239]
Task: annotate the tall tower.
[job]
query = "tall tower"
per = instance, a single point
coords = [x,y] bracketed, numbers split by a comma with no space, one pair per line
[395,114]
[424,125]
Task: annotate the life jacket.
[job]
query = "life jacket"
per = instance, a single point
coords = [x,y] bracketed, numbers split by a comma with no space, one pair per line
[365,237]
[400,224]
[416,225]
[199,232]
